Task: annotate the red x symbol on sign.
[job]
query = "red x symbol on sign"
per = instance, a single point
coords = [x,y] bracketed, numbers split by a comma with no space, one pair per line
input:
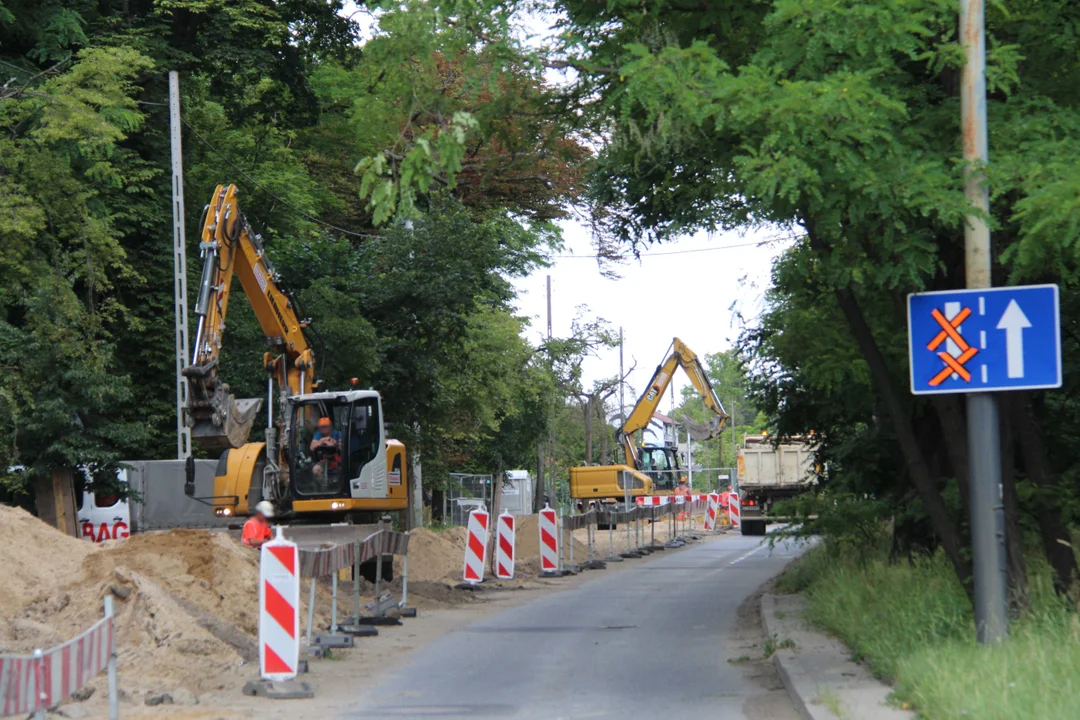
[949,331]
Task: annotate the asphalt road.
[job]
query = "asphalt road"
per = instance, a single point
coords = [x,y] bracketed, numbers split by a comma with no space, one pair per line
[653,638]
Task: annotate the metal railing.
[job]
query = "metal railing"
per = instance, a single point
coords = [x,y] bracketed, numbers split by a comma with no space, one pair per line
[463,493]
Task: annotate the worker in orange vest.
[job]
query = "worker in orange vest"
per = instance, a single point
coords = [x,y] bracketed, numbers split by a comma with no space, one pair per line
[684,490]
[257,528]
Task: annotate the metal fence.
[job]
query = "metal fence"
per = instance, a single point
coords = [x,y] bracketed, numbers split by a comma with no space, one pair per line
[463,493]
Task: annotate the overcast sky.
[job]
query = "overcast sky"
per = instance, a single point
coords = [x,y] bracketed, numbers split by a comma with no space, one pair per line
[685,289]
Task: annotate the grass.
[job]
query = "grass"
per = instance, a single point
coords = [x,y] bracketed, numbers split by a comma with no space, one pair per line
[913,625]
[828,699]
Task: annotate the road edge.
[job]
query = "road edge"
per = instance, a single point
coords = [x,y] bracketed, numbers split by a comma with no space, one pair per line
[806,682]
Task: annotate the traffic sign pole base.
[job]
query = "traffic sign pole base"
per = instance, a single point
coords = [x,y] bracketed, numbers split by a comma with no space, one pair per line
[595,565]
[358,630]
[408,612]
[279,689]
[630,555]
[613,558]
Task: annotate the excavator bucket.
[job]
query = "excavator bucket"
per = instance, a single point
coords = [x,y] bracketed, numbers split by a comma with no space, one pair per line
[237,419]
[218,420]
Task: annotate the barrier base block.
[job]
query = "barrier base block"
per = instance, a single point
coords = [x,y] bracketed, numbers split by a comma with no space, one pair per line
[468,586]
[302,667]
[408,612]
[630,555]
[552,574]
[613,558]
[595,565]
[334,641]
[358,630]
[279,689]
[380,621]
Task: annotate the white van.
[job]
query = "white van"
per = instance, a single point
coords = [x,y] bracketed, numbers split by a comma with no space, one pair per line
[161,503]
[104,517]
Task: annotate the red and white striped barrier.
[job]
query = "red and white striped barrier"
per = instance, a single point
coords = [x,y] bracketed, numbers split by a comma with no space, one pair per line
[653,500]
[711,511]
[279,609]
[476,547]
[47,678]
[549,541]
[505,537]
[734,510]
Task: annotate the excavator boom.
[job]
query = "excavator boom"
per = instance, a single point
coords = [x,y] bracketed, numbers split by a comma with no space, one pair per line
[641,415]
[230,248]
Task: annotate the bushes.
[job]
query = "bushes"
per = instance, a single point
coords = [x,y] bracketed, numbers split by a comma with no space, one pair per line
[913,625]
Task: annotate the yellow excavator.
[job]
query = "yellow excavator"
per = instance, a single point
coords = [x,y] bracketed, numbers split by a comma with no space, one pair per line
[326,457]
[650,469]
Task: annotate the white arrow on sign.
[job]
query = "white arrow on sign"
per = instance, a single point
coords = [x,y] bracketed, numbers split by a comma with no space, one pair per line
[1013,321]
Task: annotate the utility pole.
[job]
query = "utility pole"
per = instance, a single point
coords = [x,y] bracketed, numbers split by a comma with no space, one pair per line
[548,451]
[183,432]
[734,449]
[984,444]
[622,404]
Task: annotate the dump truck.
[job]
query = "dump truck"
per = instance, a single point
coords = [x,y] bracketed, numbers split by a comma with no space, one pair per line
[768,472]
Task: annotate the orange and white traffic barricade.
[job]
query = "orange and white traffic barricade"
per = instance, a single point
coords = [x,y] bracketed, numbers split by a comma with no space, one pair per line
[549,542]
[476,546]
[505,539]
[33,683]
[734,510]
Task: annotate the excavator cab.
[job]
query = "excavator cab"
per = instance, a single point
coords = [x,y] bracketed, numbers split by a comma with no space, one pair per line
[336,446]
[662,465]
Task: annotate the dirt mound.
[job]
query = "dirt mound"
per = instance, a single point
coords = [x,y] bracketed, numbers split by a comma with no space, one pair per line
[527,537]
[439,557]
[186,604]
[432,557]
[37,557]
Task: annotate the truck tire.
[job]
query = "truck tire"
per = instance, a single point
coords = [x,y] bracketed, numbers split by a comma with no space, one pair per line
[754,527]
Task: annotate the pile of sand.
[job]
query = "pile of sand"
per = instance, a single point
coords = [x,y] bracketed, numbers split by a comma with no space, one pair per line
[186,601]
[36,557]
[433,557]
[527,537]
[440,557]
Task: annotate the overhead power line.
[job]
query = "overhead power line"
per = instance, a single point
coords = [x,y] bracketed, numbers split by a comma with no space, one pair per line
[673,252]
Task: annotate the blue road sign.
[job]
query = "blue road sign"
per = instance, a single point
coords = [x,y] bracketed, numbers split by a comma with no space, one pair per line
[1006,338]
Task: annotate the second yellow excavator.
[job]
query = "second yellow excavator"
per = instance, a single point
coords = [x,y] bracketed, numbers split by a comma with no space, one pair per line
[326,456]
[650,469]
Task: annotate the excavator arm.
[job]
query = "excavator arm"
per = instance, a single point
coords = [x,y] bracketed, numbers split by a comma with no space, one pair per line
[229,247]
[641,415]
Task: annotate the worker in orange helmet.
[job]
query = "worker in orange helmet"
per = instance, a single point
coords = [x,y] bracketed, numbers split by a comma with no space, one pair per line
[684,490]
[257,528]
